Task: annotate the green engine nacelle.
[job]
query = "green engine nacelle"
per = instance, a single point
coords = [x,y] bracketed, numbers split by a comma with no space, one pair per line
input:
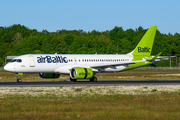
[48,75]
[81,73]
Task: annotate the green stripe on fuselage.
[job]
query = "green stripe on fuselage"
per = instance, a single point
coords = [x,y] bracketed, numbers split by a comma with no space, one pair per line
[136,65]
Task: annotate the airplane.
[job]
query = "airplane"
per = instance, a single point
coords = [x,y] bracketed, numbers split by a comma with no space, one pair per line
[85,66]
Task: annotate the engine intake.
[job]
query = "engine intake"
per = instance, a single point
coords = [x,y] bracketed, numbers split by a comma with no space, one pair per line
[48,75]
[81,73]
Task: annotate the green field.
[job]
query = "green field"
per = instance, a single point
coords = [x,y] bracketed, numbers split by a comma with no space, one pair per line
[98,102]
[141,102]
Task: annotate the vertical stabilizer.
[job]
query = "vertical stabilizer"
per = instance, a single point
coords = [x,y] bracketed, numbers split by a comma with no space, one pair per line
[144,47]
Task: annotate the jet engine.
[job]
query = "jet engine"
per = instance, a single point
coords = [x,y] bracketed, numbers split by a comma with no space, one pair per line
[81,73]
[48,75]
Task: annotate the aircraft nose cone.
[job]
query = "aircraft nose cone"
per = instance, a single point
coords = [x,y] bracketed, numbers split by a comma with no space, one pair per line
[9,68]
[6,68]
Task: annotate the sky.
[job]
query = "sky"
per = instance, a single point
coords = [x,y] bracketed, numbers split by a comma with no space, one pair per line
[88,15]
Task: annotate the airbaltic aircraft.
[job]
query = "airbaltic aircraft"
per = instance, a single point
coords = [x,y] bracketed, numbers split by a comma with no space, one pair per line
[85,66]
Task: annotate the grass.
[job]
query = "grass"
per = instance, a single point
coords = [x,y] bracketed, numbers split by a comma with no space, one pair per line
[78,89]
[105,102]
[150,103]
[153,106]
[154,90]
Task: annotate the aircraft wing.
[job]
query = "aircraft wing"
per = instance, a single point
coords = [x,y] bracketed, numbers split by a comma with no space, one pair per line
[105,65]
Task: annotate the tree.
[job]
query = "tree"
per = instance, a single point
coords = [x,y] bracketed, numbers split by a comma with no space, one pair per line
[45,32]
[125,46]
[116,34]
[69,39]
[129,33]
[17,38]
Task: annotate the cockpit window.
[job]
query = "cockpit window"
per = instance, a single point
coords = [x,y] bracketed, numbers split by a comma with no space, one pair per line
[13,60]
[16,60]
[19,60]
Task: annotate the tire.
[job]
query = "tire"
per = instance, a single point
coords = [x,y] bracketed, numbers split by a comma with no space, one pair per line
[93,79]
[19,80]
[73,80]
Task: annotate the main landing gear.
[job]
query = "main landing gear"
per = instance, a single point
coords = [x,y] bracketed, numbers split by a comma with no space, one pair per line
[93,79]
[19,77]
[73,80]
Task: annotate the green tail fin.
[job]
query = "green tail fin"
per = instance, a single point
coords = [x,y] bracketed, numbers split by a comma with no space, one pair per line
[144,47]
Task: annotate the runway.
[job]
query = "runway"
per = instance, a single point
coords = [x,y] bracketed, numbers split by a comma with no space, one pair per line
[87,83]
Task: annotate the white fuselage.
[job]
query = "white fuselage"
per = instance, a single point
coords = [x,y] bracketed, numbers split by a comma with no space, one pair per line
[63,63]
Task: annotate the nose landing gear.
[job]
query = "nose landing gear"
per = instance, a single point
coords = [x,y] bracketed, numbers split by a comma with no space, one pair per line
[19,77]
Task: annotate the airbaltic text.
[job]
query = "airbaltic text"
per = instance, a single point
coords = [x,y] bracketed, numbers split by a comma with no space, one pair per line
[52,59]
[145,49]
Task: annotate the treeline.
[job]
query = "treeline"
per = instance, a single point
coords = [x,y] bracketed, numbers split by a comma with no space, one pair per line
[18,40]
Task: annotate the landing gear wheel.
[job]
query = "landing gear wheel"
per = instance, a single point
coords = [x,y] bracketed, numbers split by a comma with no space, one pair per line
[73,80]
[93,79]
[19,80]
[19,77]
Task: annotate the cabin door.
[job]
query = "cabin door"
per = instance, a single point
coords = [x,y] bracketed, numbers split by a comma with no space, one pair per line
[32,62]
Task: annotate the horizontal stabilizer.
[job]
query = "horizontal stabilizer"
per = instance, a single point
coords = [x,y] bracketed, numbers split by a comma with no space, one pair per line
[155,57]
[165,57]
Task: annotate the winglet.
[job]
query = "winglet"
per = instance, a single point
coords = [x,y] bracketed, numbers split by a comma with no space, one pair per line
[156,56]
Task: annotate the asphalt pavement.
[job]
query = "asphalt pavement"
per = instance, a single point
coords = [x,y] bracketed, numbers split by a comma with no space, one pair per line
[88,83]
